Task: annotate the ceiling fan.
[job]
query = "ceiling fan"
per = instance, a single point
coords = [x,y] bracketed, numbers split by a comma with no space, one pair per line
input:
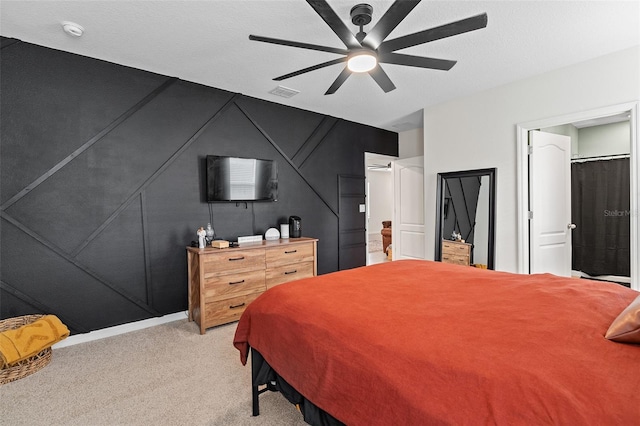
[366,51]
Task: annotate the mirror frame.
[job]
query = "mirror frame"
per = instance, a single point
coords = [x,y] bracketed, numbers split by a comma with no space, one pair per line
[491,172]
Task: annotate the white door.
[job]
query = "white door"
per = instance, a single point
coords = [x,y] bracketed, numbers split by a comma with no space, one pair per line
[407,225]
[550,203]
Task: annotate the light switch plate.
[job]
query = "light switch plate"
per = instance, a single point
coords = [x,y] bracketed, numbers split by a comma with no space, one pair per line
[362,208]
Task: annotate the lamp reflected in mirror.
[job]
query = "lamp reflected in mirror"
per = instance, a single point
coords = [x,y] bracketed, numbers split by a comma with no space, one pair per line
[465,218]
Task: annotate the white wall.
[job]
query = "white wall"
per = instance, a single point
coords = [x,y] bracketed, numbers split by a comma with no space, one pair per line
[596,141]
[479,131]
[411,143]
[608,139]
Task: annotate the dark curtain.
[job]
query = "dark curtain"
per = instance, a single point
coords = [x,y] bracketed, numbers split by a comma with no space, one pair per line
[600,208]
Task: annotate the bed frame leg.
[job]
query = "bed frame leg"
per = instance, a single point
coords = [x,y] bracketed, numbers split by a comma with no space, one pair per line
[256,407]
[254,386]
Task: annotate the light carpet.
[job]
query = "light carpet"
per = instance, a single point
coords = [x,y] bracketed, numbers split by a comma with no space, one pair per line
[375,243]
[163,375]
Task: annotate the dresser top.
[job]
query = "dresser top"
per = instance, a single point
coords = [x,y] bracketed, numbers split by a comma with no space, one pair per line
[256,245]
[455,242]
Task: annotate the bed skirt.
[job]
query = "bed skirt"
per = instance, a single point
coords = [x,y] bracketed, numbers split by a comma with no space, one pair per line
[264,378]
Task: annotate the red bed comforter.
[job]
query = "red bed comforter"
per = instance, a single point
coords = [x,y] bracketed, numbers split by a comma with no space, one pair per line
[420,342]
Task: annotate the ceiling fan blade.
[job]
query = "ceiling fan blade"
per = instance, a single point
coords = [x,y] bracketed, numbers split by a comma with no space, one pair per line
[416,61]
[313,68]
[342,77]
[382,79]
[335,23]
[447,30]
[392,17]
[299,44]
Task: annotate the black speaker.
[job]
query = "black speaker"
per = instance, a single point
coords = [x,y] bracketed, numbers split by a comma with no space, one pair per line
[295,227]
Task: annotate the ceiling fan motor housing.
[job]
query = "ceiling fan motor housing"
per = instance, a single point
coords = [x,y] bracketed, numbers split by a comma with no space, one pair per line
[361,14]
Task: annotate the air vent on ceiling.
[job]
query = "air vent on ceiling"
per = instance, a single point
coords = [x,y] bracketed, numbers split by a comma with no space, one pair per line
[284,92]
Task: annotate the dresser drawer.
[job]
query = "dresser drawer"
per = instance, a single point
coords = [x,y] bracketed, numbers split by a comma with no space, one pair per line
[286,273]
[235,284]
[453,247]
[294,253]
[227,310]
[232,261]
[456,259]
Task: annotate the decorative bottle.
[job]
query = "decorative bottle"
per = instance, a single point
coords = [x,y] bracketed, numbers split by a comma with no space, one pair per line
[210,233]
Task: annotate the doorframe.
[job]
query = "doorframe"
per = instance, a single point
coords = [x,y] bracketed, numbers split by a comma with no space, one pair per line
[370,157]
[522,184]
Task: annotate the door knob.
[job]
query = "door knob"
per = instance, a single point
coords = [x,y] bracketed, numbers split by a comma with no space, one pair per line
[571,226]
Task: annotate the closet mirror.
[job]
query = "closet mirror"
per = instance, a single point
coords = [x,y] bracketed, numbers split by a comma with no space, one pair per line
[465,217]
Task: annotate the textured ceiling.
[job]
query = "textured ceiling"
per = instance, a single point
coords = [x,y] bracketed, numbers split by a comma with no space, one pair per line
[207,42]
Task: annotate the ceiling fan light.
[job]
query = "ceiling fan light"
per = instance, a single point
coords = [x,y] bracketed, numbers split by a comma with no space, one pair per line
[362,62]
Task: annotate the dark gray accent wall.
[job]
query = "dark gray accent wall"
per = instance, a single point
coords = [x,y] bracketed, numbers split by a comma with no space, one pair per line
[460,204]
[102,182]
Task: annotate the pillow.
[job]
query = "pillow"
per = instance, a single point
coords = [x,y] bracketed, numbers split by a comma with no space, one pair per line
[626,327]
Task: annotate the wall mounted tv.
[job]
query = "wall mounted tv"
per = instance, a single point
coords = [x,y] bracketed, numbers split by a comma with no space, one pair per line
[241,179]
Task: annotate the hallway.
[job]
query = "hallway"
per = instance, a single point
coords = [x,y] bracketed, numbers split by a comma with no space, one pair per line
[375,253]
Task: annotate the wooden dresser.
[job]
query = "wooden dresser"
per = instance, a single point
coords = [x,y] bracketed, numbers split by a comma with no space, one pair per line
[222,282]
[456,252]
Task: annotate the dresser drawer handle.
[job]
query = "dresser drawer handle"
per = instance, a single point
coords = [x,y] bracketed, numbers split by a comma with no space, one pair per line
[236,306]
[290,272]
[236,258]
[236,282]
[290,251]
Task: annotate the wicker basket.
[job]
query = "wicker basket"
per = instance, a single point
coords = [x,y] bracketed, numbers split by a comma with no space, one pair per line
[30,365]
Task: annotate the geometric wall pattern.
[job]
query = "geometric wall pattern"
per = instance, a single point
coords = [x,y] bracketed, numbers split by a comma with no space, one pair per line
[102,173]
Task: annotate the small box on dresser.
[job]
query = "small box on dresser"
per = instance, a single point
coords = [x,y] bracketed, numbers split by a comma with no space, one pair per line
[222,282]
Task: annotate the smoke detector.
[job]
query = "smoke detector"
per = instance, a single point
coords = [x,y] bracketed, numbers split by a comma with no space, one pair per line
[72,28]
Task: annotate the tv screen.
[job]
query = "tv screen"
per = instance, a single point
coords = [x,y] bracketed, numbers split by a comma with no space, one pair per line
[241,179]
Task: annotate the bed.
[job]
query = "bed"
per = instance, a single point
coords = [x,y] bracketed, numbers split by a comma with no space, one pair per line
[421,342]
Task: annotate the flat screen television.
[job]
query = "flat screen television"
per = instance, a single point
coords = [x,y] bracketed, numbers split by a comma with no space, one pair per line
[241,179]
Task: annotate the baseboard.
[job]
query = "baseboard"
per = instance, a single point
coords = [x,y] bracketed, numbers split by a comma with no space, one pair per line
[119,329]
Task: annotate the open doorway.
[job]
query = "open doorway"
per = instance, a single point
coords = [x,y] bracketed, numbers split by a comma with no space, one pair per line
[600,197]
[379,206]
[618,112]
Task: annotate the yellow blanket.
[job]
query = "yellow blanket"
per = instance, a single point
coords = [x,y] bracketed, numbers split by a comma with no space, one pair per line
[28,340]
